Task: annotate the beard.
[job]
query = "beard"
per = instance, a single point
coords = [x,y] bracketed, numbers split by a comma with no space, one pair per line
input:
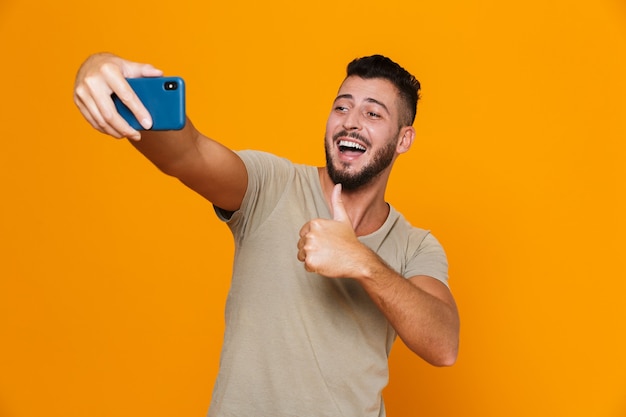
[350,180]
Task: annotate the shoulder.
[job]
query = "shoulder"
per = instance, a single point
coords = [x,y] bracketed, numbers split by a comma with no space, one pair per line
[404,230]
[253,159]
[423,253]
[267,169]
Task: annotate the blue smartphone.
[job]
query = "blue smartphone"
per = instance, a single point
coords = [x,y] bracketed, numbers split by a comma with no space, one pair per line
[163,97]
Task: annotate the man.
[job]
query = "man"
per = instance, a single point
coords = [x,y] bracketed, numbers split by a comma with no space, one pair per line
[326,273]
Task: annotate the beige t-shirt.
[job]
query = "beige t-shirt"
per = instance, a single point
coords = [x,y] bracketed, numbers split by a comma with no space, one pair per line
[298,344]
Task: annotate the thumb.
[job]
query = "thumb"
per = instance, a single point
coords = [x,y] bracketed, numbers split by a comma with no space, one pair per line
[339,211]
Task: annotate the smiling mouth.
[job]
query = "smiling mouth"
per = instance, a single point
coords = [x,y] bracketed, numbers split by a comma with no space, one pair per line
[347,146]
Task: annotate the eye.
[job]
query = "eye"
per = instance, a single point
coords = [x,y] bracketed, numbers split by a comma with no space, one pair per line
[373,111]
[341,109]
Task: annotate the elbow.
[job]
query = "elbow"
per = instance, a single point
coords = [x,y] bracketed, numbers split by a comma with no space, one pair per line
[449,351]
[446,351]
[447,359]
[444,354]
[443,357]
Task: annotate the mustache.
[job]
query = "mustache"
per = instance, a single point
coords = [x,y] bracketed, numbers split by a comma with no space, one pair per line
[352,135]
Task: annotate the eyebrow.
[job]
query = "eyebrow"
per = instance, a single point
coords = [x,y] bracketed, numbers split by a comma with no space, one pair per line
[368,99]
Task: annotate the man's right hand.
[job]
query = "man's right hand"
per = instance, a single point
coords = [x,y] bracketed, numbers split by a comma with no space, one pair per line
[102,75]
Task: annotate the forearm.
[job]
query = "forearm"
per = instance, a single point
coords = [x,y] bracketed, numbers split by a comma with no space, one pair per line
[420,309]
[204,165]
[167,149]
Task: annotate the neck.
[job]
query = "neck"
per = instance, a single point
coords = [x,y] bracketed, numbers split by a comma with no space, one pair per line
[366,205]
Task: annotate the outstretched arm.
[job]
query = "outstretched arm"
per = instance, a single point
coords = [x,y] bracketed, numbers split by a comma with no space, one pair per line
[420,309]
[204,165]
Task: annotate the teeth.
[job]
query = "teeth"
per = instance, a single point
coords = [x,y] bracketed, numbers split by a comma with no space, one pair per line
[349,144]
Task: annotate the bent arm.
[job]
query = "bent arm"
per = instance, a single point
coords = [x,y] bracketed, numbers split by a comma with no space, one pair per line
[421,309]
[204,165]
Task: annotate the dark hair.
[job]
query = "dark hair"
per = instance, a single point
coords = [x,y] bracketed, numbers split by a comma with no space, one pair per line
[378,66]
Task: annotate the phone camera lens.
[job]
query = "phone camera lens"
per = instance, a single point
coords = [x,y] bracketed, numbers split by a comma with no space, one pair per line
[171,85]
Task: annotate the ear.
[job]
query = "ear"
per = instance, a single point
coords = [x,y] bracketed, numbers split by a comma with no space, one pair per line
[407,135]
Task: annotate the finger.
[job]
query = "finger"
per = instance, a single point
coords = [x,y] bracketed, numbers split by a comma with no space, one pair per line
[301,255]
[98,78]
[305,229]
[103,119]
[91,112]
[95,93]
[339,211]
[85,111]
[119,85]
[137,70]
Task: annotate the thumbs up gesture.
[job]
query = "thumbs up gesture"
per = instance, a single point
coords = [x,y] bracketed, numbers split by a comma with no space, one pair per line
[339,211]
[330,247]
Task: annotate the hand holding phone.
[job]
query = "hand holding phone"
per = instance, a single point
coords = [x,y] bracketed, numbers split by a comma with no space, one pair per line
[163,97]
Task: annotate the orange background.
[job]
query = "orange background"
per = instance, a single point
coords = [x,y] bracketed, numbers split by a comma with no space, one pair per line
[114,277]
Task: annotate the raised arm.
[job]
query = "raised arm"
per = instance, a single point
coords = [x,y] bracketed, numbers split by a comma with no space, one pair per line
[204,165]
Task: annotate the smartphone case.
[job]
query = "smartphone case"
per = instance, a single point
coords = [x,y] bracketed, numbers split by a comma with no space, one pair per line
[165,103]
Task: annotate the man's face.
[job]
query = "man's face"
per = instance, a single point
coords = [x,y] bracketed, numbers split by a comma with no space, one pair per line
[362,131]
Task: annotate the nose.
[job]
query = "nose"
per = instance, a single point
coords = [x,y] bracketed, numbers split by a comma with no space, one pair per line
[352,121]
